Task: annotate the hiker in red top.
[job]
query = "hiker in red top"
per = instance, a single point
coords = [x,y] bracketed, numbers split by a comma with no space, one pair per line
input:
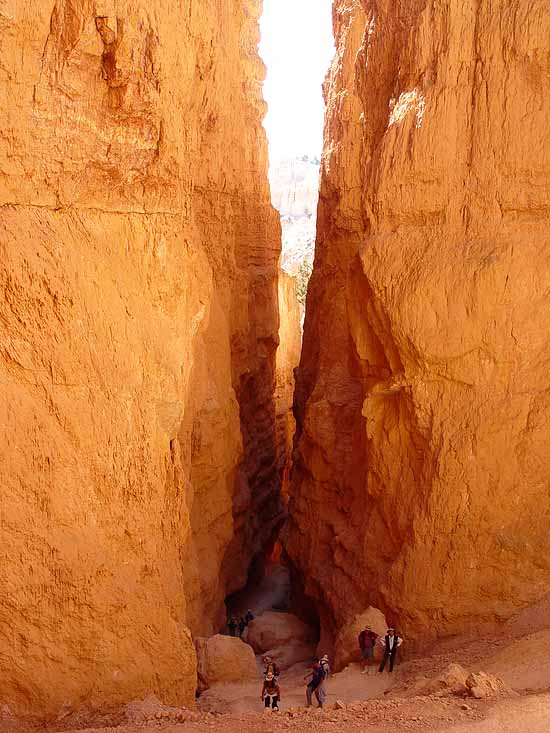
[367,640]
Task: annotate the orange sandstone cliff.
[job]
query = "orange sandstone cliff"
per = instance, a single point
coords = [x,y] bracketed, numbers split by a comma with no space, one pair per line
[138,330]
[422,471]
[288,358]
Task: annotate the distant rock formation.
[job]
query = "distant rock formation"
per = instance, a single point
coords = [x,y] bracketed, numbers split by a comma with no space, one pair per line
[294,193]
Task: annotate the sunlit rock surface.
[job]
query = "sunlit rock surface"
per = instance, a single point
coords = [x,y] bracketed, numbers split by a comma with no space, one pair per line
[288,358]
[138,329]
[421,480]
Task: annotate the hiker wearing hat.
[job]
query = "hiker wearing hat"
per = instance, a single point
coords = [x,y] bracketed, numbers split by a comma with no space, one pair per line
[367,641]
[270,666]
[391,642]
[271,693]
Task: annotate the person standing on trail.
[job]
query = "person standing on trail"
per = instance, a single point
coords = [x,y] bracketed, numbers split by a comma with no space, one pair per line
[249,617]
[270,666]
[367,641]
[315,685]
[242,627]
[391,642]
[325,665]
[232,626]
[271,693]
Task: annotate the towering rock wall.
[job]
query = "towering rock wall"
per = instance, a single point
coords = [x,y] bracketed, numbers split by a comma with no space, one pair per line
[138,329]
[422,470]
[288,359]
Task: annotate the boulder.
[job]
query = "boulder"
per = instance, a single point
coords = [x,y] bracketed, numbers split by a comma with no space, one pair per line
[291,653]
[224,659]
[274,629]
[346,647]
[450,682]
[481,685]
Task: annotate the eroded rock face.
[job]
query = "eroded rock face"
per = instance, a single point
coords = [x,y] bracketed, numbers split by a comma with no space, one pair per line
[421,481]
[288,358]
[138,329]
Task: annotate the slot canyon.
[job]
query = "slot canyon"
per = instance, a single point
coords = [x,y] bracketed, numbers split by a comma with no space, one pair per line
[171,443]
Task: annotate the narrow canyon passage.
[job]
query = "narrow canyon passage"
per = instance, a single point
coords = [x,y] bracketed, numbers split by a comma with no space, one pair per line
[310,380]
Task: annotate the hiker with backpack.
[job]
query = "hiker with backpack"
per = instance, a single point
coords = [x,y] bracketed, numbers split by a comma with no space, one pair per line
[367,641]
[315,685]
[271,693]
[325,665]
[391,642]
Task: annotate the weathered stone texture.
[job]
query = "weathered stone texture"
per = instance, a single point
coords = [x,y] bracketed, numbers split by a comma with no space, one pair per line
[421,481]
[288,358]
[138,329]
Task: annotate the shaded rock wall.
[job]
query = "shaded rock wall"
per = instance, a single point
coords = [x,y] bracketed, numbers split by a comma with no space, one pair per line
[422,470]
[138,329]
[288,358]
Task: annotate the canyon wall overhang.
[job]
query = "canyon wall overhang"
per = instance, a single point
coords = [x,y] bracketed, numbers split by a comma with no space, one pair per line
[138,330]
[421,479]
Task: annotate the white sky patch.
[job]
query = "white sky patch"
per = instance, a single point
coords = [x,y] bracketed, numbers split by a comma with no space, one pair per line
[297,47]
[413,100]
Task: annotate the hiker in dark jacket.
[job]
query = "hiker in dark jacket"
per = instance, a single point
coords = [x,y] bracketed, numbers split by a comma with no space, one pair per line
[391,642]
[249,617]
[367,640]
[232,626]
[315,685]
[242,626]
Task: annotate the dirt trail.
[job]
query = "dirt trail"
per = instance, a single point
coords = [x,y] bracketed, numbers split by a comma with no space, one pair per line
[519,652]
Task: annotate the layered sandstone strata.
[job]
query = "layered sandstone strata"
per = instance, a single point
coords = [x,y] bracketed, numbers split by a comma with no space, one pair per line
[138,329]
[421,480]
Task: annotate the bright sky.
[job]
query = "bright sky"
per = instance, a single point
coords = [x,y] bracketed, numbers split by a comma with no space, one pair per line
[297,48]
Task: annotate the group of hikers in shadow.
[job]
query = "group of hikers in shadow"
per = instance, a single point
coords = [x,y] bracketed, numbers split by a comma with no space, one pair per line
[237,628]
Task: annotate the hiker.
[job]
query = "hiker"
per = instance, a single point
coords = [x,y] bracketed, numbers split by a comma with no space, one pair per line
[271,693]
[367,640]
[390,642]
[232,626]
[325,665]
[249,617]
[271,667]
[315,685]
[242,627]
